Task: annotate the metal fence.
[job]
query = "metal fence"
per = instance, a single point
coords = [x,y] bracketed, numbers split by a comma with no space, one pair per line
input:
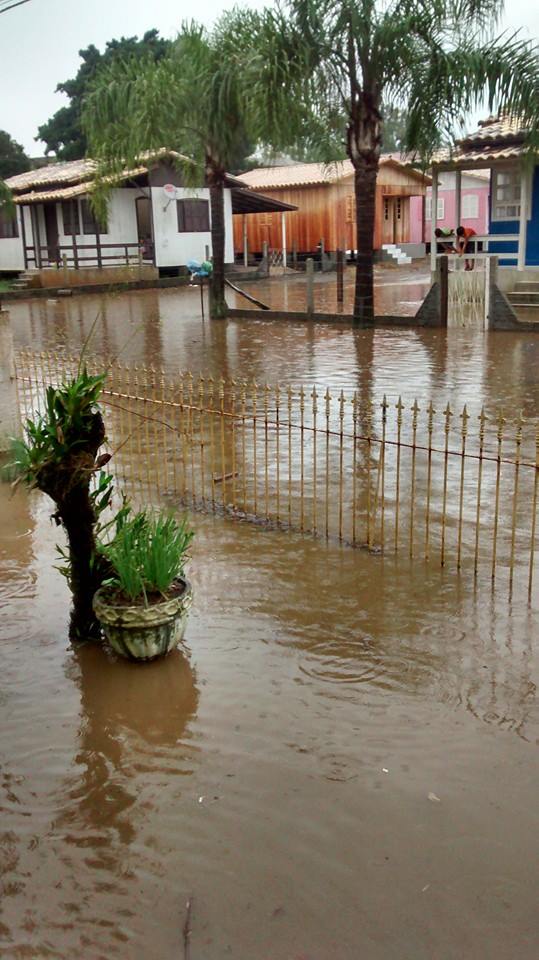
[433,484]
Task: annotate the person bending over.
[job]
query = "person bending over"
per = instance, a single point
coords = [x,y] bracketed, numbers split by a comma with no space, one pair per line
[465,245]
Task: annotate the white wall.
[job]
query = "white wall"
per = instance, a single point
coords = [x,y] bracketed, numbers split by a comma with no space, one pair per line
[11,250]
[174,249]
[121,228]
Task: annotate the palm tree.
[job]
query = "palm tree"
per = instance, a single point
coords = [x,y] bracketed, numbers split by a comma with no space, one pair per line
[435,59]
[189,102]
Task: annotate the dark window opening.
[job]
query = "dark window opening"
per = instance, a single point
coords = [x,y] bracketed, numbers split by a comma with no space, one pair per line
[193,216]
[89,222]
[9,228]
[70,216]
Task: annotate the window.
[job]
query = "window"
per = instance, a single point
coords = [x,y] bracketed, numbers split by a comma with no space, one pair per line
[193,216]
[398,208]
[70,216]
[266,219]
[441,208]
[9,227]
[89,223]
[470,206]
[506,194]
[386,208]
[350,208]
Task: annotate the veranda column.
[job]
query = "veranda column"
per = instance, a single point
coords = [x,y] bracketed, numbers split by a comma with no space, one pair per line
[9,412]
[523,220]
[245,242]
[433,218]
[283,234]
[458,198]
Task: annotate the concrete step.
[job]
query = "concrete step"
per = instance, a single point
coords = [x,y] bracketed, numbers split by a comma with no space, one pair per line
[19,285]
[524,298]
[528,286]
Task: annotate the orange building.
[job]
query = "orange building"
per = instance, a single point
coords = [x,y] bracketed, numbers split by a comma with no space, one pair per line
[326,209]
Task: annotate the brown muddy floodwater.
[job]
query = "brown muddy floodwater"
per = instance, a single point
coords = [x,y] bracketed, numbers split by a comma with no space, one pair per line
[341,764]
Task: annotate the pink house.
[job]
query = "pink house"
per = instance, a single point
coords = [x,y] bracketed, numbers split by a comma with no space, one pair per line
[475,205]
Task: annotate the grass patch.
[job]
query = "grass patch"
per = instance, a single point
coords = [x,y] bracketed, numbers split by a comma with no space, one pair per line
[5,285]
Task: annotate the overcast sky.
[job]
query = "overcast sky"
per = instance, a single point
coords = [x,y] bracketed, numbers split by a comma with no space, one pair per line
[39,44]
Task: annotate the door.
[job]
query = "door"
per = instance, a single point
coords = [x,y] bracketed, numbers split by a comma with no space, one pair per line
[388,220]
[51,231]
[144,226]
[401,230]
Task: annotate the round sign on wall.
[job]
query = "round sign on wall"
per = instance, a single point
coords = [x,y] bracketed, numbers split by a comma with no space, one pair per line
[170,191]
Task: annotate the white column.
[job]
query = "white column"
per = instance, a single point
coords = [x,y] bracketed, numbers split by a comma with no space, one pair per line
[523,219]
[283,234]
[458,198]
[433,217]
[9,413]
[245,247]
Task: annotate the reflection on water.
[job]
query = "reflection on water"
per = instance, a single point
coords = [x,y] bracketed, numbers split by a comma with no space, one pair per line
[164,329]
[287,760]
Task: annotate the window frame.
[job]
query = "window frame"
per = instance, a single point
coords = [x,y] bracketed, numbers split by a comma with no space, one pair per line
[467,198]
[71,205]
[440,208]
[495,205]
[192,226]
[90,220]
[9,226]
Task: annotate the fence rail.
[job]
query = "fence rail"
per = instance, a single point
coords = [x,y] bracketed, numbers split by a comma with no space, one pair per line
[448,486]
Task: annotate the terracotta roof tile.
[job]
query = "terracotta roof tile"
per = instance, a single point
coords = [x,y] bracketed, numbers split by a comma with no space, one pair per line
[312,174]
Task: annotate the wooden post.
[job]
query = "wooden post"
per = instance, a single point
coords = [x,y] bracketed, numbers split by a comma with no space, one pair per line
[245,242]
[340,276]
[265,257]
[65,268]
[23,235]
[443,280]
[310,285]
[283,233]
[433,215]
[322,253]
[458,198]
[98,245]
[74,220]
[523,222]
[9,413]
[140,263]
[206,252]
[35,234]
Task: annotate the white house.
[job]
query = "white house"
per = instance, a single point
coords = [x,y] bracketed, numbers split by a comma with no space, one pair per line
[152,215]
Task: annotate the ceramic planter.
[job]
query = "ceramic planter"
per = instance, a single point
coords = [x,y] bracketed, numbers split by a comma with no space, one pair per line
[144,633]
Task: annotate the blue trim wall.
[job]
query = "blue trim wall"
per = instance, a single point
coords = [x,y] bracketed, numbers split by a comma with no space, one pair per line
[513,226]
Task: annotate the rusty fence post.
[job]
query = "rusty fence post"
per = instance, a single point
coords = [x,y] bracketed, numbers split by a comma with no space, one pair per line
[340,276]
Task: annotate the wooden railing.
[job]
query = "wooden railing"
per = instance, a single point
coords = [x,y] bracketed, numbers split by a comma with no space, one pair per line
[75,255]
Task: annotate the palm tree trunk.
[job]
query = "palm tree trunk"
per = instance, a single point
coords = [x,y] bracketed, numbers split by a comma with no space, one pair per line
[365,192]
[218,307]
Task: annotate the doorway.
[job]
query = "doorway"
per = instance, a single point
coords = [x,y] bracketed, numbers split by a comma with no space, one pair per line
[144,226]
[51,231]
[395,220]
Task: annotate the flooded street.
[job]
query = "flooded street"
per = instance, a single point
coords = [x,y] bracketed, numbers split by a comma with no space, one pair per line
[341,764]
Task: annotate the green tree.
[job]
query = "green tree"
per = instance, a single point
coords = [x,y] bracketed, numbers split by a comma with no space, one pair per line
[437,59]
[190,101]
[63,134]
[13,159]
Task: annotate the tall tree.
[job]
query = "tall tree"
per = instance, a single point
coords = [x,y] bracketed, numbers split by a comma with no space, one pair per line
[13,159]
[190,101]
[63,134]
[437,58]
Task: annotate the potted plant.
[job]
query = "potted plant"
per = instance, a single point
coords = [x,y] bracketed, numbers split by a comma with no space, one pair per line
[142,606]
